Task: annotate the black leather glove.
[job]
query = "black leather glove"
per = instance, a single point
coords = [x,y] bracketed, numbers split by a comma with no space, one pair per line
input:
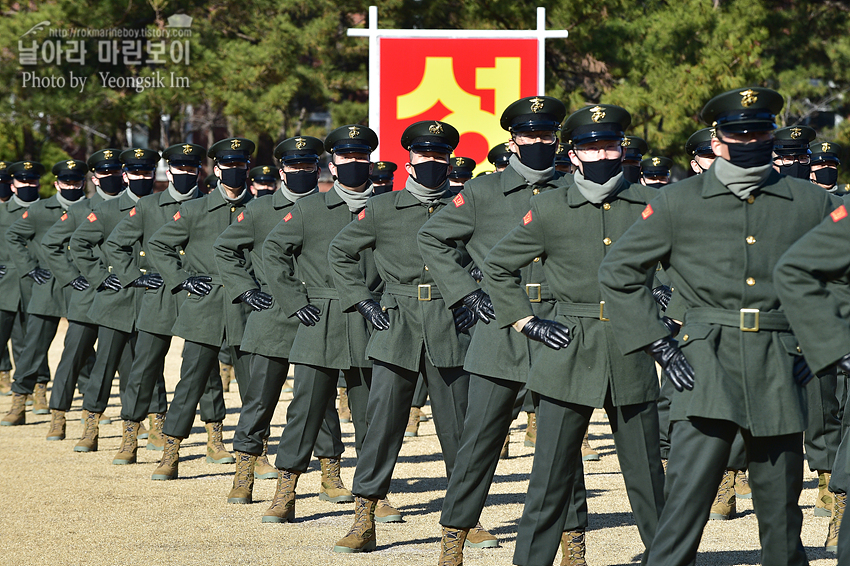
[374,313]
[40,275]
[479,303]
[80,283]
[464,319]
[671,359]
[112,283]
[2,271]
[802,373]
[308,315]
[148,281]
[197,285]
[553,334]
[256,299]
[476,274]
[662,295]
[673,326]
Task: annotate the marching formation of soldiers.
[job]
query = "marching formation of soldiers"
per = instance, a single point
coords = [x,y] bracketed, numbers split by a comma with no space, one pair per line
[568,280]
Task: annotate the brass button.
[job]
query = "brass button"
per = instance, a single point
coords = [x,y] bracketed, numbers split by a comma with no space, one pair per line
[606,206]
[232,209]
[607,241]
[188,294]
[685,338]
[751,281]
[142,253]
[536,259]
[799,350]
[430,209]
[535,191]
[426,268]
[69,247]
[751,240]
[182,252]
[751,199]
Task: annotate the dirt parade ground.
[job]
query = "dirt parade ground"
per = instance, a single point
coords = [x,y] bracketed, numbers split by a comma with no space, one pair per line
[63,507]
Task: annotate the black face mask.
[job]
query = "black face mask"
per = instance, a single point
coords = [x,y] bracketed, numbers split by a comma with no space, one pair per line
[827,176]
[753,154]
[602,171]
[112,185]
[28,194]
[141,187]
[656,185]
[431,174]
[631,173]
[538,156]
[388,188]
[73,195]
[183,182]
[5,191]
[234,177]
[352,174]
[300,182]
[796,170]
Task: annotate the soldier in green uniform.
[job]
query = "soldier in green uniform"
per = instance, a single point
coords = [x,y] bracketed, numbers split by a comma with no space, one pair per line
[500,155]
[498,359]
[328,340]
[269,333]
[655,171]
[462,168]
[82,331]
[262,180]
[412,326]
[210,182]
[825,163]
[562,159]
[738,368]
[47,304]
[635,148]
[382,177]
[698,147]
[791,153]
[11,313]
[182,252]
[571,229]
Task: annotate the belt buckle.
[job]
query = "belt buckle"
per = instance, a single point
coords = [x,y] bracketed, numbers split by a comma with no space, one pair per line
[743,326]
[419,289]
[602,312]
[533,292]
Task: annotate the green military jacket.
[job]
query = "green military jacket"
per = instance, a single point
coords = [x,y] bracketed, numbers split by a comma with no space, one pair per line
[478,217]
[15,289]
[62,266]
[112,309]
[126,250]
[183,248]
[719,252]
[268,332]
[571,236]
[24,240]
[304,235]
[388,226]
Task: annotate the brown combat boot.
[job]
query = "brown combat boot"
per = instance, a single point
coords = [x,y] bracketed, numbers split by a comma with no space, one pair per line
[216,452]
[823,505]
[226,372]
[243,481]
[156,441]
[742,485]
[282,509]
[572,548]
[477,537]
[361,537]
[129,444]
[343,409]
[724,504]
[5,383]
[263,470]
[57,426]
[16,415]
[88,442]
[143,431]
[332,488]
[412,423]
[505,453]
[451,546]
[386,513]
[531,430]
[170,463]
[588,454]
[39,400]
[838,504]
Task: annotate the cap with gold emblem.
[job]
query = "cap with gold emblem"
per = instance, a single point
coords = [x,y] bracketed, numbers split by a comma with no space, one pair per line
[382,171]
[793,140]
[634,148]
[104,160]
[534,113]
[185,154]
[300,149]
[744,110]
[500,155]
[596,123]
[139,159]
[352,138]
[700,143]
[5,176]
[462,167]
[232,150]
[26,170]
[72,170]
[210,182]
[826,151]
[656,166]
[562,155]
[263,174]
[430,135]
